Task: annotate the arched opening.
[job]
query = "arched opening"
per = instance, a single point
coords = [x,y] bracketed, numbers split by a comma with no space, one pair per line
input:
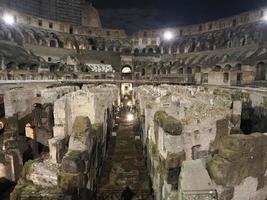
[52,68]
[198,69]
[227,68]
[163,71]
[154,71]
[53,43]
[126,72]
[217,68]
[261,71]
[158,71]
[150,50]
[22,66]
[189,70]
[238,67]
[144,50]
[136,51]
[11,65]
[143,72]
[180,71]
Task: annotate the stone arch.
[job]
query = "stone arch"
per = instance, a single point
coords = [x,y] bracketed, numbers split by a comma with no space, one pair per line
[150,50]
[127,69]
[180,70]
[143,72]
[261,71]
[227,68]
[217,68]
[11,66]
[189,70]
[53,43]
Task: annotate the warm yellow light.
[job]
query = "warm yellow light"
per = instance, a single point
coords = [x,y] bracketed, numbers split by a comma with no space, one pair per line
[130,117]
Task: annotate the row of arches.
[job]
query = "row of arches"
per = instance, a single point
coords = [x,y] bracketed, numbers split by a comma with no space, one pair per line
[260,70]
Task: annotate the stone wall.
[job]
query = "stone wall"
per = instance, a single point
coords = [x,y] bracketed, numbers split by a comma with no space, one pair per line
[77,150]
[181,124]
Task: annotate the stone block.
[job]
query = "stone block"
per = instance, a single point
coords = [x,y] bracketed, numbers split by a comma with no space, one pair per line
[57,149]
[59,131]
[29,132]
[243,153]
[73,163]
[237,107]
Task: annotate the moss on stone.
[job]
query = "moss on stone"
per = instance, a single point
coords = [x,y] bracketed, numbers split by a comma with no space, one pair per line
[69,181]
[239,157]
[168,123]
[222,93]
[264,102]
[81,125]
[74,155]
[27,190]
[27,168]
[97,129]
[11,144]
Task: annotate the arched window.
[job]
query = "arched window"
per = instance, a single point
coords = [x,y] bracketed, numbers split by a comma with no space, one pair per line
[154,71]
[181,71]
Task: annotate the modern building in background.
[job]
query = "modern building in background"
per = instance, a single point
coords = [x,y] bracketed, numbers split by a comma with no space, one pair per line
[70,11]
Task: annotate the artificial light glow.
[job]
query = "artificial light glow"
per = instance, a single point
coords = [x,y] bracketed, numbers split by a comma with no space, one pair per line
[264,16]
[9,19]
[129,103]
[168,35]
[130,117]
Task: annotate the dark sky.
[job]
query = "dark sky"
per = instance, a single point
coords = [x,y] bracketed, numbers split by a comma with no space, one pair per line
[158,13]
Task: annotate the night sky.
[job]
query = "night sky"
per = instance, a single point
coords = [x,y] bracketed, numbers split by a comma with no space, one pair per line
[141,14]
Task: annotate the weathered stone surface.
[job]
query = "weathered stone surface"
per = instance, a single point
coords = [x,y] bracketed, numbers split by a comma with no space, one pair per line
[168,123]
[239,157]
[195,182]
[73,163]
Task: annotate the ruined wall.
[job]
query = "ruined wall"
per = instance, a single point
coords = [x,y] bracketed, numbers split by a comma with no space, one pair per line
[77,149]
[181,124]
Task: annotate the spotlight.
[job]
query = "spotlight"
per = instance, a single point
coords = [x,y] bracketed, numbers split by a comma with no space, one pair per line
[9,19]
[264,18]
[168,35]
[130,117]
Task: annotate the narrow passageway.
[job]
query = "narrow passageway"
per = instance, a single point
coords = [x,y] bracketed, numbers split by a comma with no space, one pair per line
[125,165]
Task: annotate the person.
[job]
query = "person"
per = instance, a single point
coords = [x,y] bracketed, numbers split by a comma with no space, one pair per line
[127,194]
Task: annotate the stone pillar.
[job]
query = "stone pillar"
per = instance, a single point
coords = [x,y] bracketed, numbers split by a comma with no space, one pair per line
[57,149]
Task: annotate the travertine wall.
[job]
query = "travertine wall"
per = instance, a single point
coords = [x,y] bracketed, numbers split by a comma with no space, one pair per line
[179,123]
